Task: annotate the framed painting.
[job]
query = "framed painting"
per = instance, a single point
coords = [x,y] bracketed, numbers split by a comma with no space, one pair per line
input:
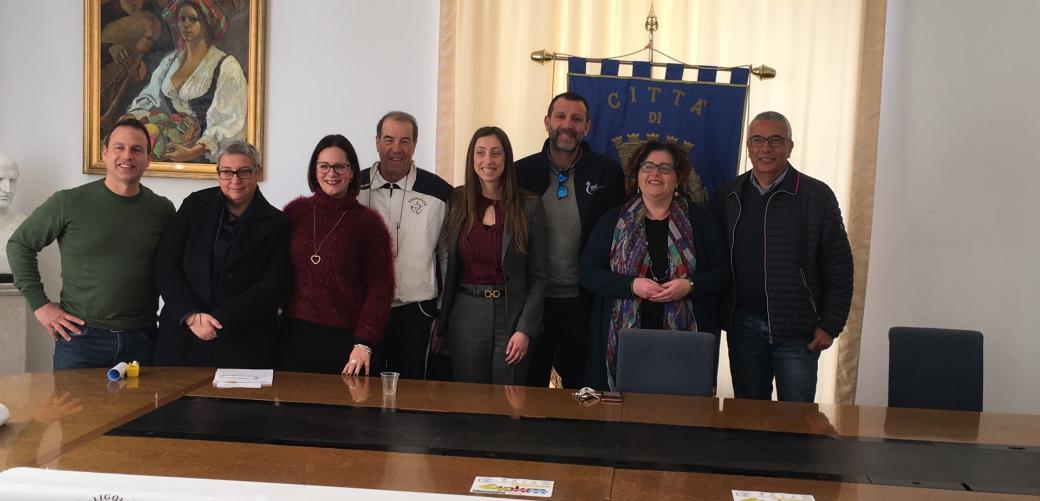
[190,70]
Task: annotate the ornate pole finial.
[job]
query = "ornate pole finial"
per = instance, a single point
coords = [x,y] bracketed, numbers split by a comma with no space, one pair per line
[542,56]
[651,20]
[763,72]
[651,27]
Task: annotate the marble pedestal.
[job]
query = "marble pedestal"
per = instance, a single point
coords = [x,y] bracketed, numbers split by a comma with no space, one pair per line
[13,323]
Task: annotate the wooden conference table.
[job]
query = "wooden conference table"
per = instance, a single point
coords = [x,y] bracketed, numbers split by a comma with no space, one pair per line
[72,420]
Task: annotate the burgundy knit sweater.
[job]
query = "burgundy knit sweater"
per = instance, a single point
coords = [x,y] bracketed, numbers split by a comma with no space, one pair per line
[352,285]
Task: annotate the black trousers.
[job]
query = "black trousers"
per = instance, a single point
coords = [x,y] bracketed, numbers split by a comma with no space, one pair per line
[406,340]
[563,342]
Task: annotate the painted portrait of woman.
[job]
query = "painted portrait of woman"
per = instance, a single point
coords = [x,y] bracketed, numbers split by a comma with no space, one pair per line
[196,96]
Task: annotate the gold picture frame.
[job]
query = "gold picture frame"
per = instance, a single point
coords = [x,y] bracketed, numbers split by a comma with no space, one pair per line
[132,52]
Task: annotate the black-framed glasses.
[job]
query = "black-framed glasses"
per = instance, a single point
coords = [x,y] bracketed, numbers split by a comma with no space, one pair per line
[243,173]
[325,167]
[561,186]
[648,167]
[774,141]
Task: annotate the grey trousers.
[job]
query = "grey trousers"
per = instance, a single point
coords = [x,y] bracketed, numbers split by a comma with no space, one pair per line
[477,337]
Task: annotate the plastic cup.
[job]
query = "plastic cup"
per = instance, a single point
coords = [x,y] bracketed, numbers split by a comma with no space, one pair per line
[389,382]
[389,403]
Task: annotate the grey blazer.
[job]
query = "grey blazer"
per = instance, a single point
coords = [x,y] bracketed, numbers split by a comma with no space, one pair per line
[525,274]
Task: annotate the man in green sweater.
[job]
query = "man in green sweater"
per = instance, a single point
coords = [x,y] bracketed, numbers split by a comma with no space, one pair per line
[107,233]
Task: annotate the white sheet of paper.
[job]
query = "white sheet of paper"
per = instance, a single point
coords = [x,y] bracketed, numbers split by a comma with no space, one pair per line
[243,378]
[770,496]
[512,486]
[237,384]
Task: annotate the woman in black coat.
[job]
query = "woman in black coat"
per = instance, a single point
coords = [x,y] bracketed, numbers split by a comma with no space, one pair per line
[223,270]
[657,261]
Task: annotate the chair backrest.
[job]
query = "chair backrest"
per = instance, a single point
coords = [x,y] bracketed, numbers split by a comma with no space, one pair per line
[668,362]
[935,368]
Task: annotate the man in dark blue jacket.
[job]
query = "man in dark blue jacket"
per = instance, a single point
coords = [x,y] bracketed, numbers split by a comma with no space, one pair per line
[577,186]
[792,268]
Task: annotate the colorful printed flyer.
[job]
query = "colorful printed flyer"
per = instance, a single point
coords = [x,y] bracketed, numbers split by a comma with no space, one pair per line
[770,496]
[512,487]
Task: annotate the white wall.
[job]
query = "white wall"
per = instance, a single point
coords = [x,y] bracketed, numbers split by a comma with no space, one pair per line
[332,66]
[957,208]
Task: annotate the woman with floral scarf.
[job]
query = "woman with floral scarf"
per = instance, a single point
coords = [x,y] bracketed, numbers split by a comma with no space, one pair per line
[658,261]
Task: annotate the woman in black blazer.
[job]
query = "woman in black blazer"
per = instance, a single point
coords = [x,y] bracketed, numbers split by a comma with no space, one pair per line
[493,253]
[223,270]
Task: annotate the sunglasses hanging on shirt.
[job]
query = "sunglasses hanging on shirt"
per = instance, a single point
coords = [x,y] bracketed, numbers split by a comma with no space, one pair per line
[561,180]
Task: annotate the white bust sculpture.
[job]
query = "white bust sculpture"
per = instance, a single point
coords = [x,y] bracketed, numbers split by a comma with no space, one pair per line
[9,220]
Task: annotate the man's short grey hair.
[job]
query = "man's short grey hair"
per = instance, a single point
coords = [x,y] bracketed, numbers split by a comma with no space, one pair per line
[398,116]
[777,116]
[239,147]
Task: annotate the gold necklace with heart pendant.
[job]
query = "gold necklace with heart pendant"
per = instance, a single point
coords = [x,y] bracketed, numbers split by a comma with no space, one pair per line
[316,258]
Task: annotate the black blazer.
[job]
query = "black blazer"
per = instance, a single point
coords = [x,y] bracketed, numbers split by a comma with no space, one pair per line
[253,284]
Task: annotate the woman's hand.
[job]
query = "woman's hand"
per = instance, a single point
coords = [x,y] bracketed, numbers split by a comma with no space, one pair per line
[516,350]
[672,290]
[359,357]
[516,396]
[646,288]
[358,388]
[204,326]
[178,153]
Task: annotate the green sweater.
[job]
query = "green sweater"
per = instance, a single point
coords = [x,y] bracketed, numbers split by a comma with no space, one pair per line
[107,245]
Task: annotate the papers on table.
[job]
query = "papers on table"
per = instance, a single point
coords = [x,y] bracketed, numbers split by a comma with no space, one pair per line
[512,486]
[770,496]
[243,378]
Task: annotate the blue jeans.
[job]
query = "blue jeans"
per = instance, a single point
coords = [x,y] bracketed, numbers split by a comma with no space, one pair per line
[755,358]
[94,347]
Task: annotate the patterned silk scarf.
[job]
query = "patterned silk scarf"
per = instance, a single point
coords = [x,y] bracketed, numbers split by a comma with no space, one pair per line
[629,255]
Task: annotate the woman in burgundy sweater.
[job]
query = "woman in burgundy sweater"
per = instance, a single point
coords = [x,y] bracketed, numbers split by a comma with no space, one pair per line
[343,278]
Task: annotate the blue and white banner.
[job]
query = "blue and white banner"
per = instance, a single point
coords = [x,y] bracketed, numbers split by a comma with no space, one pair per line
[705,117]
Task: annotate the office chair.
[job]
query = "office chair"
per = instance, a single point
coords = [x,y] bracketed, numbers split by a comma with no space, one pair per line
[668,362]
[935,368]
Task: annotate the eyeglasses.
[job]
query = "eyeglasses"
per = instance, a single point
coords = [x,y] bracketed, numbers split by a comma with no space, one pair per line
[561,186]
[774,141]
[243,173]
[325,167]
[649,167]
